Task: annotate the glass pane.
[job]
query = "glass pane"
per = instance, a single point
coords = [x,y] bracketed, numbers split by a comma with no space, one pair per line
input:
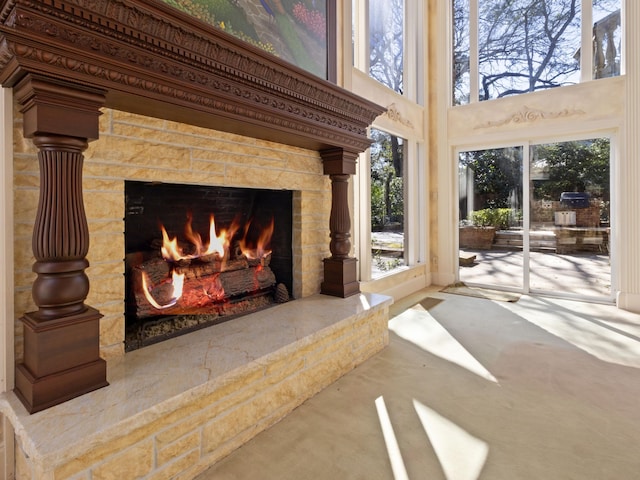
[461,82]
[607,37]
[387,203]
[386,42]
[569,211]
[527,45]
[490,233]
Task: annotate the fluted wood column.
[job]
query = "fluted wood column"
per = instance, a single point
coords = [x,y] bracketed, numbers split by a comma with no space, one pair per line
[62,338]
[340,270]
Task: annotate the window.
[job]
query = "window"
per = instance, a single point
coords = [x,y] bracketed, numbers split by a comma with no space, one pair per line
[389,189]
[386,42]
[387,202]
[508,47]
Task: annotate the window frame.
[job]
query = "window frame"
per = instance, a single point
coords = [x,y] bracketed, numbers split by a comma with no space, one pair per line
[586,45]
[405,108]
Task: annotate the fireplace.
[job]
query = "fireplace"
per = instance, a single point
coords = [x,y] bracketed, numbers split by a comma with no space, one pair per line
[111,92]
[227,250]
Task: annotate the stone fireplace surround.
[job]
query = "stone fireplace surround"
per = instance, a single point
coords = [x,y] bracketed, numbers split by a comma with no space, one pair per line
[318,131]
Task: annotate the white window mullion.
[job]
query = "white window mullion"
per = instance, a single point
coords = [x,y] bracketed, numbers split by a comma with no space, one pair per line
[361,34]
[474,69]
[412,204]
[410,44]
[586,43]
[362,186]
[526,217]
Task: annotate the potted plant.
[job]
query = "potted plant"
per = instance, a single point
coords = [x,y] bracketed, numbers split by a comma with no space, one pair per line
[478,232]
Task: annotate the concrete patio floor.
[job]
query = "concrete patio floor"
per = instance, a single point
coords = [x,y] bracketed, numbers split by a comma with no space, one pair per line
[581,274]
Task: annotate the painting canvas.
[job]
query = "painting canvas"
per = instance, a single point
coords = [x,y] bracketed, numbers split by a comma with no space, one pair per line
[294,30]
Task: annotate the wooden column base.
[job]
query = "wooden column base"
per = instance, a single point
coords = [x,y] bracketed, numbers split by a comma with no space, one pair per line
[61,359]
[340,277]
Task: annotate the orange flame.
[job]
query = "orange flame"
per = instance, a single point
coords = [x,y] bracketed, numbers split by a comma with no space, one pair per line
[177,282]
[170,249]
[260,249]
[218,243]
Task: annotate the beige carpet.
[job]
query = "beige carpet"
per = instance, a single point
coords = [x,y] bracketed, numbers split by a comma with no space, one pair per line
[470,389]
[460,288]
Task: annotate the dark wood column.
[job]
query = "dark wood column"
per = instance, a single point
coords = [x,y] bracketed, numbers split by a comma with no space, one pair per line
[62,338]
[340,270]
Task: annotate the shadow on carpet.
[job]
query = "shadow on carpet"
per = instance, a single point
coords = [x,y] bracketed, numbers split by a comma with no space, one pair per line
[460,288]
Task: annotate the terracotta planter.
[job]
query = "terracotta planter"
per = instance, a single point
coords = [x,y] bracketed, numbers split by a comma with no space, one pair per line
[477,238]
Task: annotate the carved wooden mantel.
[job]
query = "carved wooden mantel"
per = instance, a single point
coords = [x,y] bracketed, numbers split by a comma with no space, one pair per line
[66,59]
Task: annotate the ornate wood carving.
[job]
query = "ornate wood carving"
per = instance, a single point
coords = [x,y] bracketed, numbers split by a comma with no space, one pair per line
[155,60]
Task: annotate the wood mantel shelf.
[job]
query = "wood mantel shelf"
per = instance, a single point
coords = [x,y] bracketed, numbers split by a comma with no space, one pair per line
[65,60]
[154,60]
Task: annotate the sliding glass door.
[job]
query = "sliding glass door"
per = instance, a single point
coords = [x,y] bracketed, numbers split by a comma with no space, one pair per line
[570,228]
[491,202]
[544,212]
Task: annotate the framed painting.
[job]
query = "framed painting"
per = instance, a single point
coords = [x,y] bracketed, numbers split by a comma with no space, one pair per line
[302,32]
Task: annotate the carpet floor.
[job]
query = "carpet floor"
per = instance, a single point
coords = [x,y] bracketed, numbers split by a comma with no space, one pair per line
[468,389]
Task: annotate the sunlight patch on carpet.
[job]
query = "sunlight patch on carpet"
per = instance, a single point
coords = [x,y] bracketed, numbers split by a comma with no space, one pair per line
[420,328]
[461,455]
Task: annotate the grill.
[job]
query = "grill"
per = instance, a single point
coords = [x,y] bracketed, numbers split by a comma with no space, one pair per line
[575,199]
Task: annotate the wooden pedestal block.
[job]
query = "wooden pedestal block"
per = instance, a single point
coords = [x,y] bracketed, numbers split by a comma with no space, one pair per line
[61,359]
[340,277]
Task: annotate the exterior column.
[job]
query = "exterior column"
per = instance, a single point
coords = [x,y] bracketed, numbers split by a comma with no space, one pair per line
[62,338]
[340,270]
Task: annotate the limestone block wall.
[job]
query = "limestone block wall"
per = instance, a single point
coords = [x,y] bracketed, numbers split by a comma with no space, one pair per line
[134,147]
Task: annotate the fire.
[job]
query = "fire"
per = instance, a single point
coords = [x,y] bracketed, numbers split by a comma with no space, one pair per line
[260,249]
[177,284]
[218,245]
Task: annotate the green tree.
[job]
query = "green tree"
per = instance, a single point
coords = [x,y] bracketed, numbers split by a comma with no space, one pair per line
[497,174]
[387,186]
[524,45]
[575,167]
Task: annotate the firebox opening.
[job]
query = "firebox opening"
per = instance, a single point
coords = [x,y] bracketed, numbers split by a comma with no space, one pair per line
[199,255]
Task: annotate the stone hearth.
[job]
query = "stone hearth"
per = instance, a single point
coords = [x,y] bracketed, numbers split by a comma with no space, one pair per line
[174,408]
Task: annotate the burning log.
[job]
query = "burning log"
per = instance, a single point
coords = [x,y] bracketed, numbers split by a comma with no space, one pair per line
[199,278]
[205,287]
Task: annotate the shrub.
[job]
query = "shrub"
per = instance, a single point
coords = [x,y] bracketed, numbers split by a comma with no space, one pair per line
[491,217]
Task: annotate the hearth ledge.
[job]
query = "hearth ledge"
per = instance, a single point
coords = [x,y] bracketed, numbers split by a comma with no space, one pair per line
[190,395]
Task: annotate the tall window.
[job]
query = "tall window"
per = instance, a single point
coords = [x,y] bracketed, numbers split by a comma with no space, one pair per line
[387,202]
[508,47]
[386,42]
[388,60]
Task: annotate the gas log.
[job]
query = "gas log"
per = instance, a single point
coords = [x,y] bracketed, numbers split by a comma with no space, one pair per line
[209,284]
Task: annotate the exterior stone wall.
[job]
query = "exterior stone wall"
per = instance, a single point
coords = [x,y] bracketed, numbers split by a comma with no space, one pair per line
[543,212]
[134,147]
